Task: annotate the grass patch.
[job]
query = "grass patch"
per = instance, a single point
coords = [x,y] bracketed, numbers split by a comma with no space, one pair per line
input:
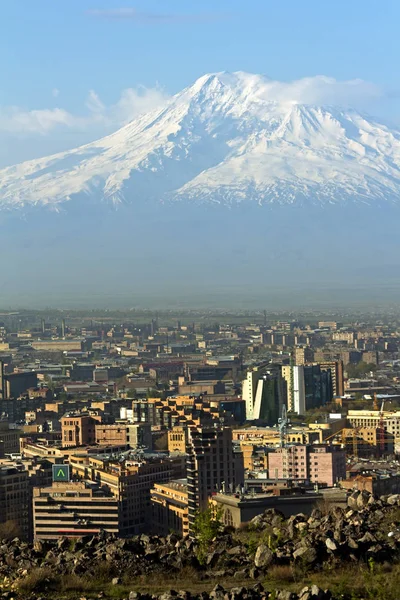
[356,581]
[38,580]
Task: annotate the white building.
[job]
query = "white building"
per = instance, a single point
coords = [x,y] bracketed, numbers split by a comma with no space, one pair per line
[296,393]
[249,391]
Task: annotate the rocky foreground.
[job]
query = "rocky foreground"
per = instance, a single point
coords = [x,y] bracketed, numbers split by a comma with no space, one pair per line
[366,533]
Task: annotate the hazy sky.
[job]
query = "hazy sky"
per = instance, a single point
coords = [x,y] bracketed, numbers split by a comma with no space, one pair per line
[74,70]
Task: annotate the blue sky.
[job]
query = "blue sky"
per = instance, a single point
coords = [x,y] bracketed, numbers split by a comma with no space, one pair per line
[66,63]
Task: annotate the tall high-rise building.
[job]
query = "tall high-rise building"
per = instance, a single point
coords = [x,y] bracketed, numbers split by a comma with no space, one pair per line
[293,376]
[212,465]
[336,370]
[249,389]
[307,386]
[262,392]
[269,397]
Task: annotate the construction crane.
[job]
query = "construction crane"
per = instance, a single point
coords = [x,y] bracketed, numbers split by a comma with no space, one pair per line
[283,422]
[353,437]
[381,430]
[355,443]
[345,434]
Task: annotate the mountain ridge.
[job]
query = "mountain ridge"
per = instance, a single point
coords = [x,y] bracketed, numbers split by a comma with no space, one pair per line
[221,140]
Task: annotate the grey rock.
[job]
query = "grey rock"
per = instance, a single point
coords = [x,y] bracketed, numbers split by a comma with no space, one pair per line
[331,544]
[352,502]
[285,595]
[367,538]
[317,593]
[235,551]
[264,556]
[393,499]
[306,555]
[363,499]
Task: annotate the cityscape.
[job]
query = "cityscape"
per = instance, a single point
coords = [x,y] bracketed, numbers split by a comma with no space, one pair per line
[133,426]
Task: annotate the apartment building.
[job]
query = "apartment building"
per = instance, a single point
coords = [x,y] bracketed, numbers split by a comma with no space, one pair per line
[169,504]
[303,355]
[130,482]
[316,463]
[337,375]
[344,336]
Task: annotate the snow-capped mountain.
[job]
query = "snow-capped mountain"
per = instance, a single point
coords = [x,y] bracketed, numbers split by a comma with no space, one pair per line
[222,140]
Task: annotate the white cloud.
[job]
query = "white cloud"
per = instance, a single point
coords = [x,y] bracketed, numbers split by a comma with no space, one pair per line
[135,101]
[94,104]
[17,120]
[323,90]
[132,103]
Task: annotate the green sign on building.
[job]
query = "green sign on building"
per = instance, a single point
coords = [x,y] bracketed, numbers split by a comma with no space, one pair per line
[61,473]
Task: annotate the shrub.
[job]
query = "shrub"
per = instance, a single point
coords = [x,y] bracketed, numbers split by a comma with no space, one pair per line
[206,526]
[38,580]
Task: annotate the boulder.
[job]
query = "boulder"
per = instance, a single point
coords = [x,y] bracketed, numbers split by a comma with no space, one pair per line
[307,555]
[285,595]
[264,556]
[393,499]
[331,544]
[363,499]
[352,501]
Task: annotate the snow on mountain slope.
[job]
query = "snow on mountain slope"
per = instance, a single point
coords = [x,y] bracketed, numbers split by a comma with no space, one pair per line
[223,139]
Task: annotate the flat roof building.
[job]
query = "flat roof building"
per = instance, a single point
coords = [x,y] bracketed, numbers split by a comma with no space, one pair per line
[74,509]
[169,504]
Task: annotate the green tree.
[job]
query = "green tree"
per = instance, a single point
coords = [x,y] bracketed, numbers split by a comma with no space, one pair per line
[10,530]
[206,526]
[360,369]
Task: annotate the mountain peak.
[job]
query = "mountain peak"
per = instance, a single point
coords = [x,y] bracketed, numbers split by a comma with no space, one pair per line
[228,138]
